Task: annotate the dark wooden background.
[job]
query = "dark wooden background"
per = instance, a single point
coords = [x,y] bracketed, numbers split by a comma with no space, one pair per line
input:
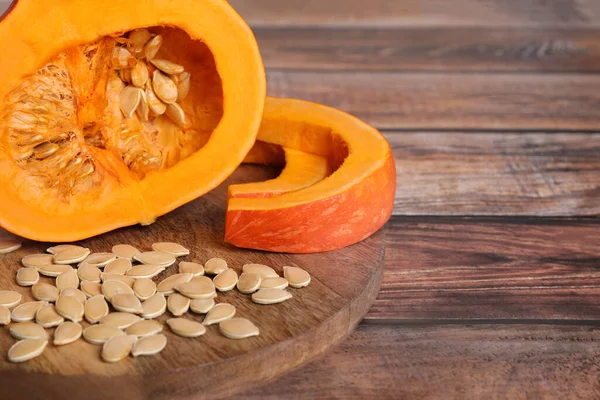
[492,107]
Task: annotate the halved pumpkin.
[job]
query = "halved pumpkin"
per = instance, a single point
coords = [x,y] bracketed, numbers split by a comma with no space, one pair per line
[79,154]
[301,170]
[342,209]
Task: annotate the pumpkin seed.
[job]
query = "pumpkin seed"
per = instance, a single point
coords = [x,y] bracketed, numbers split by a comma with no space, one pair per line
[129,99]
[164,87]
[220,312]
[88,272]
[9,245]
[156,258]
[226,280]
[67,279]
[127,280]
[63,247]
[169,247]
[297,277]
[186,328]
[45,150]
[99,334]
[138,39]
[274,283]
[117,348]
[125,251]
[271,296]
[99,259]
[47,317]
[143,110]
[66,333]
[70,308]
[54,270]
[144,288]
[44,292]
[126,303]
[9,298]
[167,67]
[178,304]
[26,311]
[154,307]
[196,289]
[37,260]
[176,113]
[121,320]
[27,330]
[202,306]
[143,328]
[145,271]
[149,345]
[118,266]
[125,75]
[238,328]
[139,74]
[112,288]
[186,267]
[215,266]
[69,255]
[121,58]
[248,283]
[27,276]
[25,350]
[154,103]
[167,285]
[152,47]
[91,289]
[4,315]
[259,269]
[183,83]
[78,294]
[95,309]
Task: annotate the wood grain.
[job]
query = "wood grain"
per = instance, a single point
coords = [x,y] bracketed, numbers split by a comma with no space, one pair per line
[478,173]
[292,333]
[490,269]
[451,100]
[451,362]
[416,12]
[431,49]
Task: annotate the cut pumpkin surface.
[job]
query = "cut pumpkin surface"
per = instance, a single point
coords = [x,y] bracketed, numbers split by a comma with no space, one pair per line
[301,170]
[342,209]
[79,155]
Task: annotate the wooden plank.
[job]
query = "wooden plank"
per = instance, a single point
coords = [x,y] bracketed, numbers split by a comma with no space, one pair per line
[451,362]
[451,100]
[418,13]
[456,173]
[449,269]
[431,49]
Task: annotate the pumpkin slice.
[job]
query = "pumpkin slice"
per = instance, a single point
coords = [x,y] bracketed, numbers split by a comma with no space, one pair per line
[342,209]
[301,170]
[114,113]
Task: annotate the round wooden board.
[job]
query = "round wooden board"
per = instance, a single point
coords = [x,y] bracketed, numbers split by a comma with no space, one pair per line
[344,286]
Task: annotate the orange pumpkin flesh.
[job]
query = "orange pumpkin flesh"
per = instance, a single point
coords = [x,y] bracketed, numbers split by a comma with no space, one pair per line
[58,90]
[301,170]
[340,210]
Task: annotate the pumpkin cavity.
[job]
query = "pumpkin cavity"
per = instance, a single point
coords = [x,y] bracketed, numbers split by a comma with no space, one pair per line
[148,98]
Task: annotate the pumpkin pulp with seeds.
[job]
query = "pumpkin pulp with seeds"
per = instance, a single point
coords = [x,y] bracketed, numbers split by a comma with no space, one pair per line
[110,124]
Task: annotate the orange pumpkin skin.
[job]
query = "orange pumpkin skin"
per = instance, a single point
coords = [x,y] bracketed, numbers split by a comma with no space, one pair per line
[58,200]
[339,211]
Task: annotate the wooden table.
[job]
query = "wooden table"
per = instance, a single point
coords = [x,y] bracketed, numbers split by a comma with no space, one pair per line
[492,281]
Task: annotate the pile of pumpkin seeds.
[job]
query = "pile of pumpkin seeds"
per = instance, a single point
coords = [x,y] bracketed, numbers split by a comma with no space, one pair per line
[153,86]
[117,297]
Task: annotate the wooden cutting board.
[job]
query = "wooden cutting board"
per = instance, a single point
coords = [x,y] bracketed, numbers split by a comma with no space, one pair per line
[344,285]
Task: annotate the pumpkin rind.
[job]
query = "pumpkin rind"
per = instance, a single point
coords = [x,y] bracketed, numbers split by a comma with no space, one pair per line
[122,199]
[340,210]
